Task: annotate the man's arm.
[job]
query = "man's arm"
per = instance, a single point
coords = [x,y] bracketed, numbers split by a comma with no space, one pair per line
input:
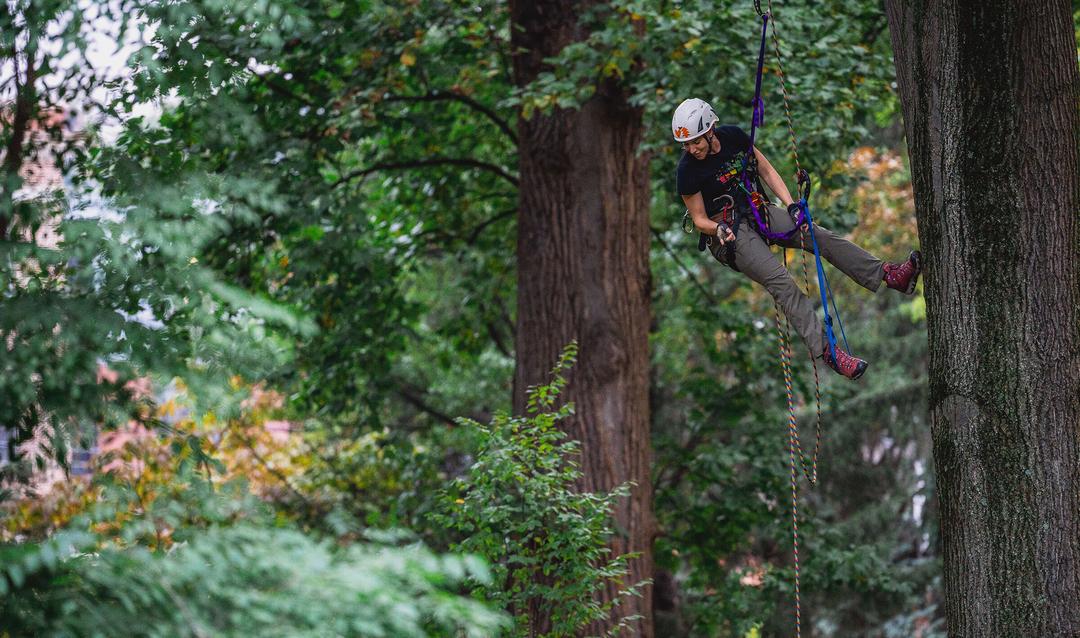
[696,205]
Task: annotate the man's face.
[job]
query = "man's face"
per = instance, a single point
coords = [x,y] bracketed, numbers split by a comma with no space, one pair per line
[698,147]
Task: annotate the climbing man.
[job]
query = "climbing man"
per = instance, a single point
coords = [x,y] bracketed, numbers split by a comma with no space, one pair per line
[710,178]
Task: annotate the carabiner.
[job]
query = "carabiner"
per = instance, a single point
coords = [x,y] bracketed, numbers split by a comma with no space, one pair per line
[726,202]
[803,179]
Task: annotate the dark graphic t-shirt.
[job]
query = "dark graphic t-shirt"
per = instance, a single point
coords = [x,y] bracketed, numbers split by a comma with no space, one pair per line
[717,174]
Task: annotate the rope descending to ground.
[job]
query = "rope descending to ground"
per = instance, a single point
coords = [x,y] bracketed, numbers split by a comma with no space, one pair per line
[796,455]
[795,450]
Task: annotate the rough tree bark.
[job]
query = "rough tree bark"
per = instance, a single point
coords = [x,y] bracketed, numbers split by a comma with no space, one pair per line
[583,274]
[18,119]
[990,91]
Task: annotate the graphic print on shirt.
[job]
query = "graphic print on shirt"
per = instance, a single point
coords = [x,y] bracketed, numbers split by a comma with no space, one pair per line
[719,173]
[731,170]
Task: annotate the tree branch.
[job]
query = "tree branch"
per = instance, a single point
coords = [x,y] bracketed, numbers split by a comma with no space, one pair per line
[493,332]
[475,233]
[436,161]
[876,29]
[417,402]
[230,53]
[437,95]
[672,482]
[708,295]
[276,473]
[277,87]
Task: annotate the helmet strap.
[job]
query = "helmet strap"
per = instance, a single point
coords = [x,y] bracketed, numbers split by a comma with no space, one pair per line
[711,136]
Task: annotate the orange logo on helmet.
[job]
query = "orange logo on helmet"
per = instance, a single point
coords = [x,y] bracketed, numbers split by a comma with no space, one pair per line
[682,132]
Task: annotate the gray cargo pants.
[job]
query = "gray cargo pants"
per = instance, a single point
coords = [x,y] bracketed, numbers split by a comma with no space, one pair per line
[756,261]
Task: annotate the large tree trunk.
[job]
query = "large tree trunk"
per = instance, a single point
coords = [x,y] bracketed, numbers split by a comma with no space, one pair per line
[989,91]
[18,119]
[583,274]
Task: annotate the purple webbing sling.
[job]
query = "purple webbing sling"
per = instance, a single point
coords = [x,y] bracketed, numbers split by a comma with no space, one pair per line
[757,120]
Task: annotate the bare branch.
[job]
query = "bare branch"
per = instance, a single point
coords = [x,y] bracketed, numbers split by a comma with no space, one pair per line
[496,338]
[475,233]
[708,295]
[437,95]
[415,400]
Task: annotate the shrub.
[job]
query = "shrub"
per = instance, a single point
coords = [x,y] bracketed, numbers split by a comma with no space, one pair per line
[518,507]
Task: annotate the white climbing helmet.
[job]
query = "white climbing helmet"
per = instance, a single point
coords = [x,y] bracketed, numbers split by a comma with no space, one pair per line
[693,118]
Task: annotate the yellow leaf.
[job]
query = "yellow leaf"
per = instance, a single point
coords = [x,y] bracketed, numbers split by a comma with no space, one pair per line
[408,59]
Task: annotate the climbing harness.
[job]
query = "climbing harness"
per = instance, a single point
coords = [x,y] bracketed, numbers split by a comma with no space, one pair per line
[726,205]
[803,224]
[728,218]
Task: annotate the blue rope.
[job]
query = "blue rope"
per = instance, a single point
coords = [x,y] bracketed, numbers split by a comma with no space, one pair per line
[823,281]
[837,313]
[824,288]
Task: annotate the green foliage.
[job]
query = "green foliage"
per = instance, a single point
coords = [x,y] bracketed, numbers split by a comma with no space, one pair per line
[243,581]
[836,60]
[351,167]
[718,470]
[379,479]
[332,154]
[517,506]
[104,266]
[208,558]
